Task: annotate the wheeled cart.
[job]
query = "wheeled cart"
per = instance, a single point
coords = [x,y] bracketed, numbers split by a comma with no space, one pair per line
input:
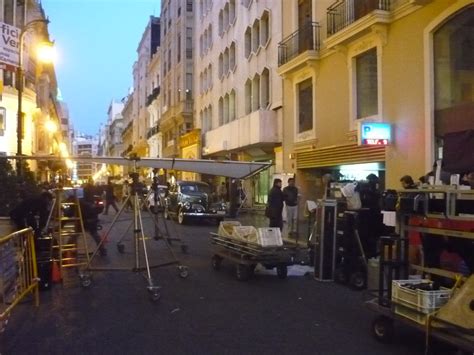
[247,255]
[383,327]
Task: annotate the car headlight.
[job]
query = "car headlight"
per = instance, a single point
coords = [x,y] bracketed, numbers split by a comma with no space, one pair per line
[187,205]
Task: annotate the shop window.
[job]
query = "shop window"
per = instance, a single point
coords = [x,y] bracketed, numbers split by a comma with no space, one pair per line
[366,84]
[305,106]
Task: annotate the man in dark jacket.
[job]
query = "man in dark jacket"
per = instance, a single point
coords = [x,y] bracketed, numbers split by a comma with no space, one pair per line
[290,194]
[25,213]
[275,205]
[110,197]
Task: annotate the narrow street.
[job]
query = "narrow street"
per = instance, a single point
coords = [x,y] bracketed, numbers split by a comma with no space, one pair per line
[207,313]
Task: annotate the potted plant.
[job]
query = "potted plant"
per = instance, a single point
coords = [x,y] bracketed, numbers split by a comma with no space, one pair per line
[12,190]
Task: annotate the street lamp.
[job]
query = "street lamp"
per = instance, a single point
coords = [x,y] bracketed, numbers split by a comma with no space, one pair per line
[20,79]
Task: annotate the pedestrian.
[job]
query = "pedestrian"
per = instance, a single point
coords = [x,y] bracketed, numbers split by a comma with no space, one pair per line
[91,222]
[110,197]
[126,196]
[24,214]
[222,192]
[407,182]
[290,196]
[275,205]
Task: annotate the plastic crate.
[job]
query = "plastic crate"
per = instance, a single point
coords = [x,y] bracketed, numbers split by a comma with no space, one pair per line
[416,304]
[270,237]
[245,233]
[226,228]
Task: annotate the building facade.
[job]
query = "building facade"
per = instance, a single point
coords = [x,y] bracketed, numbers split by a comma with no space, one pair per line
[85,145]
[238,101]
[153,102]
[41,111]
[402,62]
[177,54]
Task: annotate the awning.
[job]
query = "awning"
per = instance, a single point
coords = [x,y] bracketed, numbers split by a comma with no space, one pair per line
[340,155]
[227,168]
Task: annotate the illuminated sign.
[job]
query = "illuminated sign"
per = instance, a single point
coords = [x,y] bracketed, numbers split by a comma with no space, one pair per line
[375,133]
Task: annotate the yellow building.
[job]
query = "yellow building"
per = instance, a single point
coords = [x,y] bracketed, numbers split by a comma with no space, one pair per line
[408,63]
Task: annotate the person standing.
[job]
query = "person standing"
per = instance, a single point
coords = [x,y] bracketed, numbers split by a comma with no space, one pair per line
[290,196]
[275,205]
[222,192]
[110,197]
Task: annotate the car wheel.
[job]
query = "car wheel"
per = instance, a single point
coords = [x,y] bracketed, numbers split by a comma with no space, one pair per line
[181,216]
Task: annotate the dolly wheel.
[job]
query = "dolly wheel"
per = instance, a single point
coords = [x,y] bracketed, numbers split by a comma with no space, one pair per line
[358,280]
[382,329]
[282,271]
[242,272]
[86,281]
[216,262]
[183,271]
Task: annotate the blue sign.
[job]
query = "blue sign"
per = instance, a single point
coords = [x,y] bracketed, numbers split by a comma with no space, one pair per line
[375,133]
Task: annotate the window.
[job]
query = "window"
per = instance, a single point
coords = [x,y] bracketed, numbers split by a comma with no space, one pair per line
[453,47]
[256,93]
[209,118]
[366,84]
[226,61]
[8,12]
[248,97]
[305,106]
[189,5]
[226,16]
[232,106]
[264,28]
[3,120]
[209,73]
[221,65]
[232,56]
[209,37]
[221,23]
[232,11]
[189,86]
[189,43]
[255,36]
[179,11]
[226,109]
[169,59]
[248,42]
[179,87]
[179,48]
[221,111]
[265,88]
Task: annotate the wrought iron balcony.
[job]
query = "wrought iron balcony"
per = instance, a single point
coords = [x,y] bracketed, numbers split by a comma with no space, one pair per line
[304,39]
[152,131]
[343,13]
[154,94]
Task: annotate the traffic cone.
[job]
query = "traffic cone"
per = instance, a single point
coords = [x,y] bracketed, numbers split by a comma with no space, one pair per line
[55,273]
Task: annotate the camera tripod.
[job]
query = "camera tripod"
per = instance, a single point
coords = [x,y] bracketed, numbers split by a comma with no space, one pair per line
[139,241]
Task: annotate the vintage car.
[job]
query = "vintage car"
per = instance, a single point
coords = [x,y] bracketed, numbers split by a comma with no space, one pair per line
[192,199]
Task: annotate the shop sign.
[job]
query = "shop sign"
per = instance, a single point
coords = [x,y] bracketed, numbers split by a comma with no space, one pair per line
[375,133]
[10,44]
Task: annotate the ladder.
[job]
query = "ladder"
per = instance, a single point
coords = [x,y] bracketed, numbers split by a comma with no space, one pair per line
[70,250]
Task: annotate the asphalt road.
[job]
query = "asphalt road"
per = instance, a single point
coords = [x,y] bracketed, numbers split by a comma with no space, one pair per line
[209,312]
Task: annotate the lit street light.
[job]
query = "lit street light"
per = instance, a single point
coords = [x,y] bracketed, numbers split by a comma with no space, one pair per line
[20,79]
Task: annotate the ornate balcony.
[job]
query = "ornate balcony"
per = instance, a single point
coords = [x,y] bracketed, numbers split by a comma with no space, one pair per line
[304,39]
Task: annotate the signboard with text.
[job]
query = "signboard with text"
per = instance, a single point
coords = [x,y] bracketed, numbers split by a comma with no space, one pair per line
[375,133]
[9,44]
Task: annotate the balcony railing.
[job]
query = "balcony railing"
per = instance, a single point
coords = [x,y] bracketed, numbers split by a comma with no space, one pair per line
[152,131]
[304,39]
[345,12]
[154,94]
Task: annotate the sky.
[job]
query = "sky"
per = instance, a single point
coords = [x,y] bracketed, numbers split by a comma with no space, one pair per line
[96,42]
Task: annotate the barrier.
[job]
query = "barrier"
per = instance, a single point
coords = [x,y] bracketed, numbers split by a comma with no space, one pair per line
[18,271]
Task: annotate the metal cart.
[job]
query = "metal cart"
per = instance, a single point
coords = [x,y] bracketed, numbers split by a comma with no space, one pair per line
[247,255]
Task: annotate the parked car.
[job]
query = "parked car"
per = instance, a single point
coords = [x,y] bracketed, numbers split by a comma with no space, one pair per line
[98,201]
[191,199]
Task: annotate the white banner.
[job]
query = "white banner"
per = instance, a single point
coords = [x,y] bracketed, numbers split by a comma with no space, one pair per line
[9,44]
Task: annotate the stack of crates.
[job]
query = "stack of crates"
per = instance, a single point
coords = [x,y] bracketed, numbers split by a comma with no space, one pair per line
[417,304]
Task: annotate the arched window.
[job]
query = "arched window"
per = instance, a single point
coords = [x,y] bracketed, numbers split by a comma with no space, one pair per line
[248,96]
[221,66]
[265,89]
[226,109]
[264,28]
[221,111]
[232,105]
[255,36]
[256,93]
[221,23]
[232,56]
[232,11]
[248,42]
[226,61]
[453,55]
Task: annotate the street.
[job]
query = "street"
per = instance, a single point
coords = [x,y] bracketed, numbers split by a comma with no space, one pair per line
[209,312]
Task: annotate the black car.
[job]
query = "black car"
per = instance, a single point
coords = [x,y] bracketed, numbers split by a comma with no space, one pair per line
[192,199]
[98,201]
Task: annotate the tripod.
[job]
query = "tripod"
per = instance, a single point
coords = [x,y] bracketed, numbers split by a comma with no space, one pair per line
[139,241]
